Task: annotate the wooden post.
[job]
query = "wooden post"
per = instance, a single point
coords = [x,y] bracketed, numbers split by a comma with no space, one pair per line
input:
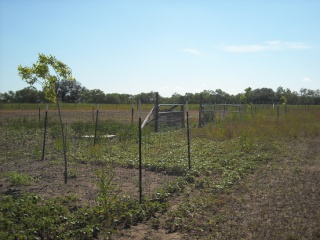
[140,156]
[39,113]
[156,113]
[92,113]
[132,113]
[96,126]
[182,116]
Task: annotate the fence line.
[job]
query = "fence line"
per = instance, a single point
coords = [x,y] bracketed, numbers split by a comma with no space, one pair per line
[109,140]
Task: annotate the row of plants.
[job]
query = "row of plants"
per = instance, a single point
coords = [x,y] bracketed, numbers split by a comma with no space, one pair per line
[163,151]
[222,154]
[32,217]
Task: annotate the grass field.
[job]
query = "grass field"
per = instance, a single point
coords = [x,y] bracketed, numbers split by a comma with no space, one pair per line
[252,179]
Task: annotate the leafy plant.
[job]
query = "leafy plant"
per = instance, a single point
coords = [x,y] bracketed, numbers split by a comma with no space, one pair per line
[19,179]
[40,72]
[108,191]
[31,217]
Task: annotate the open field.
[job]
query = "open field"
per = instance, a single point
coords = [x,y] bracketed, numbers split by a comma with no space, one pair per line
[252,179]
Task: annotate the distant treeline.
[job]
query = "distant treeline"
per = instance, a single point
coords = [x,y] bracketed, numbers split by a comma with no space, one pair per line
[73,92]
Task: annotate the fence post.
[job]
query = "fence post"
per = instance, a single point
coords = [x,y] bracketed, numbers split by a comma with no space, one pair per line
[156,113]
[140,157]
[132,113]
[93,114]
[182,116]
[39,113]
[96,126]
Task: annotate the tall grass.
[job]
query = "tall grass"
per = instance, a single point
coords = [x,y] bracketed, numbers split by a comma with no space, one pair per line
[265,125]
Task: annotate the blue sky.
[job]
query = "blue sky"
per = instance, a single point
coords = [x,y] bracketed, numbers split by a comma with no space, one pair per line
[166,46]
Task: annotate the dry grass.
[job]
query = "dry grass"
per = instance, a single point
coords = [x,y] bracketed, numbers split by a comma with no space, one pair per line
[278,199]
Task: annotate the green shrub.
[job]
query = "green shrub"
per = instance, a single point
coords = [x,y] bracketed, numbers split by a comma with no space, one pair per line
[19,179]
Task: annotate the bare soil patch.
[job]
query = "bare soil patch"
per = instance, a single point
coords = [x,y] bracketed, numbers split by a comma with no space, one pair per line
[48,180]
[279,200]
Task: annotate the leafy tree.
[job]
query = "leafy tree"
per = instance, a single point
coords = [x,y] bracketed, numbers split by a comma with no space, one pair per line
[176,97]
[84,95]
[247,96]
[307,96]
[263,95]
[280,92]
[317,96]
[146,98]
[96,96]
[69,91]
[112,98]
[189,97]
[129,98]
[208,96]
[221,96]
[49,72]
[27,95]
[9,97]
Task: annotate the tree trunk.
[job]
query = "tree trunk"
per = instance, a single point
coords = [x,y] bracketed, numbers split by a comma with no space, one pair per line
[64,143]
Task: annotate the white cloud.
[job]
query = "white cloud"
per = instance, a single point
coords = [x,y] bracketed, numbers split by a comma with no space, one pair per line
[306,79]
[191,51]
[267,46]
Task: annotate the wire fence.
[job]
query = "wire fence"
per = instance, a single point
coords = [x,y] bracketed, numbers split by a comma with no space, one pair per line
[95,140]
[98,139]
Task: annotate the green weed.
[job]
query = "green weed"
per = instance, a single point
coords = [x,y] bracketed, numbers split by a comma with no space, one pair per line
[19,179]
[31,217]
[108,191]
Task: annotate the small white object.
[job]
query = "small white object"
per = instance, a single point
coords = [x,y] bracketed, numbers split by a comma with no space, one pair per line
[103,136]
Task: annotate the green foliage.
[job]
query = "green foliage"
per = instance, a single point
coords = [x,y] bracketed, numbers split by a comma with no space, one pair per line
[28,95]
[283,100]
[246,97]
[222,154]
[40,72]
[108,191]
[31,217]
[19,179]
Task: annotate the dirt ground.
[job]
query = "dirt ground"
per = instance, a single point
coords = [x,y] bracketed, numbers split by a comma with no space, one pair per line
[48,180]
[279,200]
